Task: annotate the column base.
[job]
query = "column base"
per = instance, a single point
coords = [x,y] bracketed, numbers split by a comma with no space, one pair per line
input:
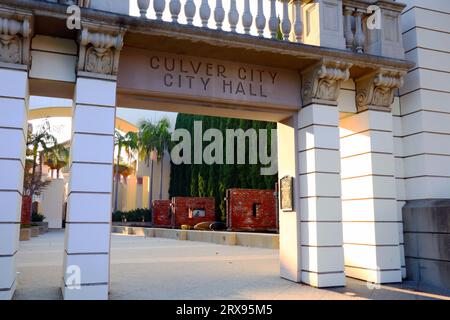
[85,292]
[323,280]
[8,294]
[374,276]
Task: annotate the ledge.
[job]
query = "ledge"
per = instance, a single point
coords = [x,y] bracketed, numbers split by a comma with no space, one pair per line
[246,239]
[182,39]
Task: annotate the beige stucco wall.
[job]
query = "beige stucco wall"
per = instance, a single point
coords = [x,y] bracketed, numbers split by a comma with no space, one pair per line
[53,202]
[133,195]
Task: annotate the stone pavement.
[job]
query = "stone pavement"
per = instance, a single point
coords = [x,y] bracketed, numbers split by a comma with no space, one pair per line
[155,268]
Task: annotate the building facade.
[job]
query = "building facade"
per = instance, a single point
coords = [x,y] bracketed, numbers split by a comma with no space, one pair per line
[358,88]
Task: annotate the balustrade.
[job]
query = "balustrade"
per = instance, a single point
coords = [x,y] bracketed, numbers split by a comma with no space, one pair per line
[357,21]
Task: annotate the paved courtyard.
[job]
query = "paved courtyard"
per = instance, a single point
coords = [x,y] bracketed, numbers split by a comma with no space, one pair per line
[168,269]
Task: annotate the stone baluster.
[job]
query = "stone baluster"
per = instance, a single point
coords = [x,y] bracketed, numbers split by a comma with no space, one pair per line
[219,14]
[143,7]
[298,24]
[348,32]
[273,21]
[159,6]
[247,18]
[233,16]
[189,11]
[175,9]
[205,13]
[360,38]
[260,19]
[286,22]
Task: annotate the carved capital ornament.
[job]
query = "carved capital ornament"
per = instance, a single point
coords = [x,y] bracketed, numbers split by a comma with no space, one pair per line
[321,83]
[376,91]
[99,52]
[15,40]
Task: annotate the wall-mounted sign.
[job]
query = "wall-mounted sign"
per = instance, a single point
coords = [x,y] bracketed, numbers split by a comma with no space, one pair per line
[168,74]
[286,194]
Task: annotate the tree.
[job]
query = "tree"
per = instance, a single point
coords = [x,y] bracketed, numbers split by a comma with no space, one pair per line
[56,158]
[163,138]
[213,180]
[129,143]
[37,144]
[147,147]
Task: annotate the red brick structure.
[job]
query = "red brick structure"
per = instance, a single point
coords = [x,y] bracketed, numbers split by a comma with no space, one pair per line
[183,210]
[251,210]
[26,210]
[161,213]
[191,211]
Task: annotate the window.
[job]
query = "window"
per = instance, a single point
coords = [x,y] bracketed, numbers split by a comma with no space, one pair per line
[256,209]
[197,213]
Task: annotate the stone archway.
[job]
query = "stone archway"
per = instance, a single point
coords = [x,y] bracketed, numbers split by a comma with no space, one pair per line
[174,68]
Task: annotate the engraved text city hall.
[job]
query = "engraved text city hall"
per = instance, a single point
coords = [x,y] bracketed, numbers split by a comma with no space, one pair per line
[199,75]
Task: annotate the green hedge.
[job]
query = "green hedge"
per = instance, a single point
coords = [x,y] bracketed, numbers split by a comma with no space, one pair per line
[137,215]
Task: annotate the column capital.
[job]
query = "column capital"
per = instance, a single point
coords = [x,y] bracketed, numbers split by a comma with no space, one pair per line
[321,82]
[15,36]
[376,90]
[100,51]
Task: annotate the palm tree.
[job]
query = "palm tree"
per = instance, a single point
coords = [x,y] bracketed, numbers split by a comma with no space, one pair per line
[42,139]
[56,158]
[148,142]
[164,142]
[128,142]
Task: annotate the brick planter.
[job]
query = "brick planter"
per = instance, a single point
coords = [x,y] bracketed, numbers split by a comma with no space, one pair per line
[43,227]
[34,232]
[25,234]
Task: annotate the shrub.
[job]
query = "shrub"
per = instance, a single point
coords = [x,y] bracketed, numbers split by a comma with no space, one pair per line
[36,217]
[137,215]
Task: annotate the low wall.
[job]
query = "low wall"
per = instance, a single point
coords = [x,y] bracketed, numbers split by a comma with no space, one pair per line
[255,240]
[427,241]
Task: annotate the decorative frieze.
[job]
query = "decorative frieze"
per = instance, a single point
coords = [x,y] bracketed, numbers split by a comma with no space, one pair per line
[15,40]
[321,83]
[376,90]
[99,51]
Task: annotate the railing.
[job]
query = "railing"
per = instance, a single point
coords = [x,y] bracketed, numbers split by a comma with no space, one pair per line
[341,24]
[268,19]
[373,28]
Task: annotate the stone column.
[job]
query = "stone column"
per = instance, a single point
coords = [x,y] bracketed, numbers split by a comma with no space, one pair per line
[14,48]
[322,257]
[88,227]
[371,238]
